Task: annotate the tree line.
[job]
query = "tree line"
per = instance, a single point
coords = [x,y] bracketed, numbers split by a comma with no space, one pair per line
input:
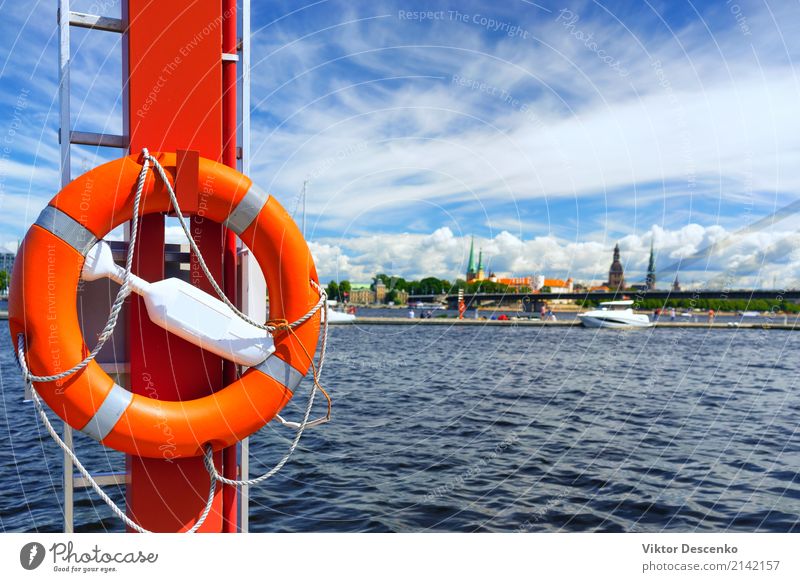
[427,286]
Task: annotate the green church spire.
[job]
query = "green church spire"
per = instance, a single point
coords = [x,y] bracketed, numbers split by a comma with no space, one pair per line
[471,263]
[651,269]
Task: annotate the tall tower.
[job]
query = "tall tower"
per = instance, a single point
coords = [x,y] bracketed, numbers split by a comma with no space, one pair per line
[480,276]
[616,276]
[676,286]
[650,282]
[471,272]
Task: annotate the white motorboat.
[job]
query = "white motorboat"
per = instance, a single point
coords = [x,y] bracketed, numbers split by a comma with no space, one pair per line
[615,314]
[334,316]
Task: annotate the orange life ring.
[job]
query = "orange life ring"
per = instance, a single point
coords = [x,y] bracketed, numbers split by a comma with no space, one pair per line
[43,296]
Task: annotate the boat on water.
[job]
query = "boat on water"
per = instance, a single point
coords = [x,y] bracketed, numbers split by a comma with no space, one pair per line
[332,315]
[431,306]
[615,314]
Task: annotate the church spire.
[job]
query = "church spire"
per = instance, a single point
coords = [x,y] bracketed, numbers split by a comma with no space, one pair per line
[471,263]
[651,269]
[480,273]
[471,271]
[616,275]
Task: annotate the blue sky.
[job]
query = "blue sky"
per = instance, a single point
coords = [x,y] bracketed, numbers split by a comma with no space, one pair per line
[548,131]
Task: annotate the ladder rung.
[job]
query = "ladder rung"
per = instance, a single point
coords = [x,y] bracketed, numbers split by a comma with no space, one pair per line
[97,139]
[96,22]
[109,478]
[115,367]
[173,252]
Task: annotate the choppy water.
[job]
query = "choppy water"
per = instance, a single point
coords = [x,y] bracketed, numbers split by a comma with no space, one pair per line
[500,429]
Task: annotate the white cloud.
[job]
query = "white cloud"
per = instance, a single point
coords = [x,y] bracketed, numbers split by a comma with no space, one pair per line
[751,259]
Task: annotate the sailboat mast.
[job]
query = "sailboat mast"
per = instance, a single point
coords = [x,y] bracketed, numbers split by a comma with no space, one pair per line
[305,182]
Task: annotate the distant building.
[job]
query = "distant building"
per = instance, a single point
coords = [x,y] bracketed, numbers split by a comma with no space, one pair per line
[475,273]
[7,262]
[650,281]
[380,291]
[472,272]
[361,295]
[676,285]
[559,285]
[480,275]
[616,275]
[515,283]
[555,285]
[375,293]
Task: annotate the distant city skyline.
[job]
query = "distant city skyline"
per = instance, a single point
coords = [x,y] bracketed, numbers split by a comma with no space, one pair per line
[551,131]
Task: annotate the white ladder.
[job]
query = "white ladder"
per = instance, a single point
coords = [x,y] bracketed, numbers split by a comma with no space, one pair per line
[67,137]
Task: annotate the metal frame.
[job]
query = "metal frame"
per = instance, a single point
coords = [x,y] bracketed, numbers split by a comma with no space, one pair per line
[97,139]
[244,163]
[67,137]
[95,22]
[66,174]
[63,89]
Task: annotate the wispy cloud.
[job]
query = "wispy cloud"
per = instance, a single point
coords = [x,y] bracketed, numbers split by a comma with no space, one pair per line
[440,111]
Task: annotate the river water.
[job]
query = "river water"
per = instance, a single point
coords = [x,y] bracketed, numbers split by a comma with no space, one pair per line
[498,429]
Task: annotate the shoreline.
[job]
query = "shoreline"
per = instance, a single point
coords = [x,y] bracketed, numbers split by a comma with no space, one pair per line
[573,323]
[794,326]
[566,309]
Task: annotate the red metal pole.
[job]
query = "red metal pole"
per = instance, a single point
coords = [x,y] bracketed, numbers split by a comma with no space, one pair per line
[230,461]
[174,101]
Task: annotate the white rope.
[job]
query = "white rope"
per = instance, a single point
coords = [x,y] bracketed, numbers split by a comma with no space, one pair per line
[116,307]
[111,323]
[99,490]
[322,303]
[301,427]
[174,199]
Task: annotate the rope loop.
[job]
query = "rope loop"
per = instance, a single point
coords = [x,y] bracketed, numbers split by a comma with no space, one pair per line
[271,326]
